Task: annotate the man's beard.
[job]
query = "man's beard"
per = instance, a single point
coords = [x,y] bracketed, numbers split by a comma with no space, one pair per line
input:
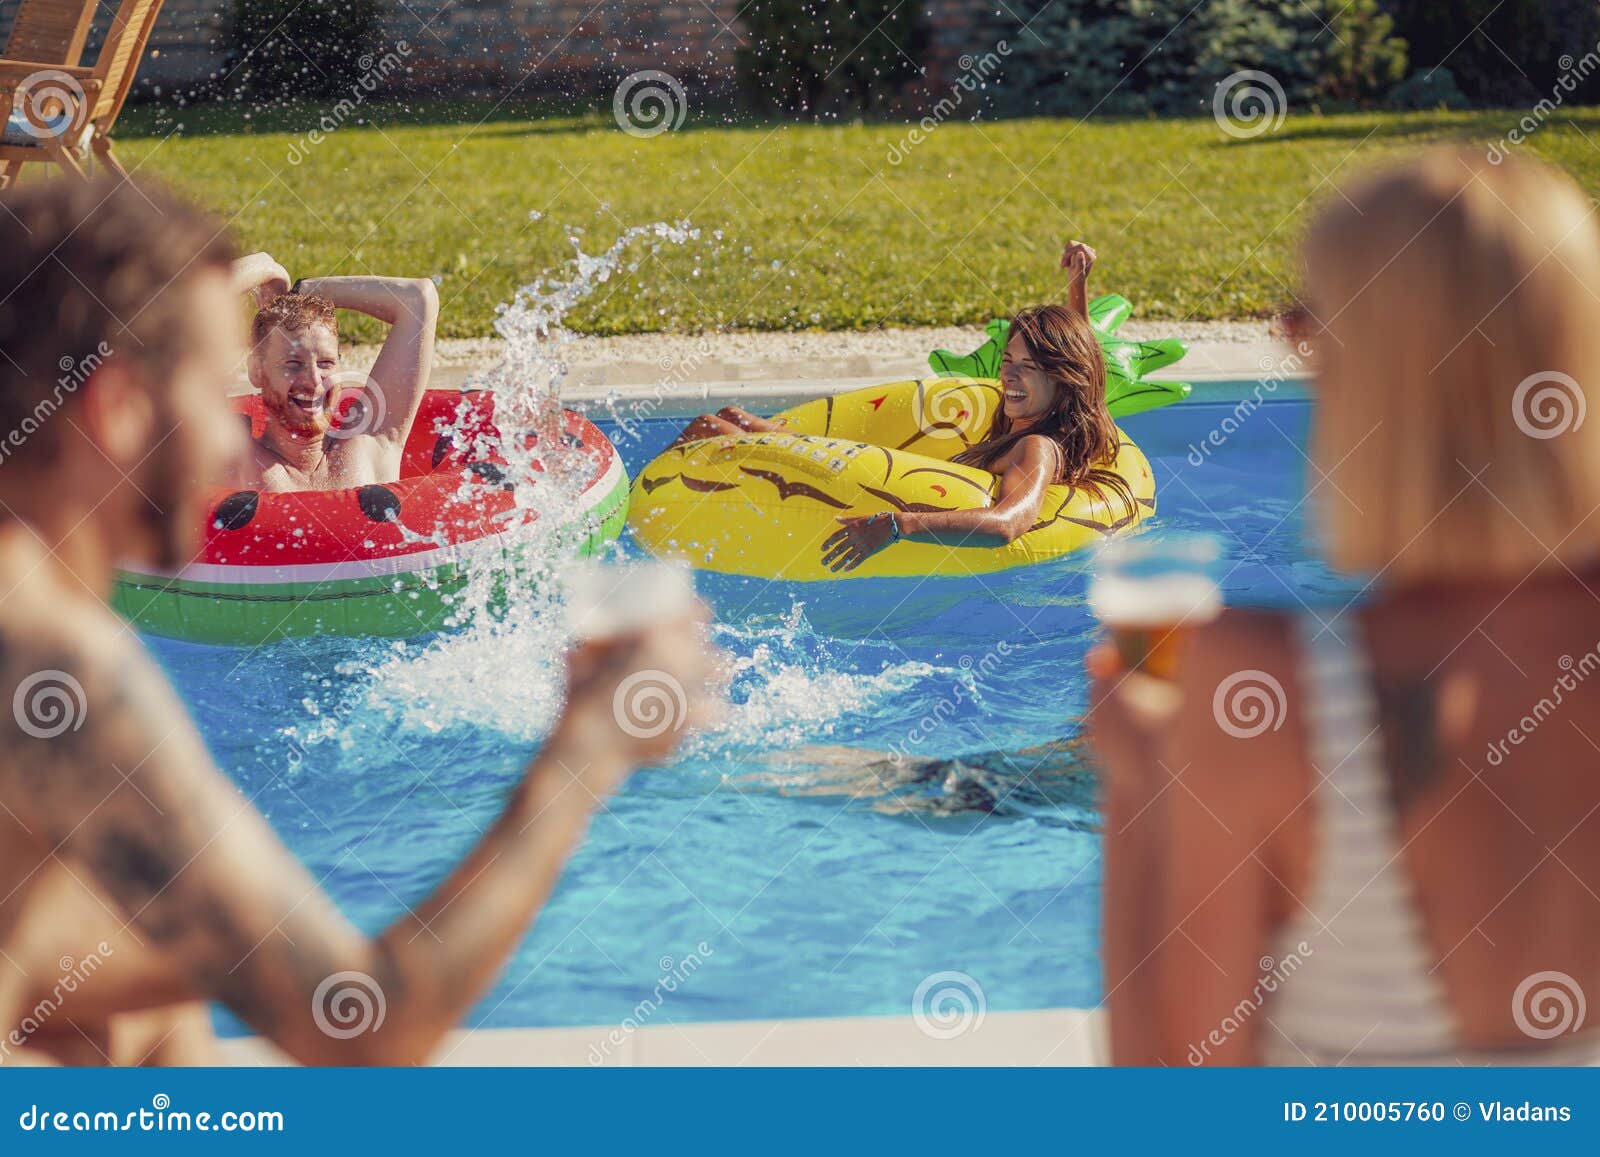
[170,497]
[169,505]
[298,422]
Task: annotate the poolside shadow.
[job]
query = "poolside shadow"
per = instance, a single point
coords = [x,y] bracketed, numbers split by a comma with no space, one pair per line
[1472,126]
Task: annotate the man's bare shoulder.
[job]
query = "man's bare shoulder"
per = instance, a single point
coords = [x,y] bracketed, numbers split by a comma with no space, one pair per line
[261,470]
[79,686]
[43,610]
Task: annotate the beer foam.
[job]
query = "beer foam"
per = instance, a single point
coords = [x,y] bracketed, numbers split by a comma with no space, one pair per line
[605,601]
[1156,601]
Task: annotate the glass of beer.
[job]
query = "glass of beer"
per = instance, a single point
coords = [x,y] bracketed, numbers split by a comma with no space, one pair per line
[608,600]
[1149,590]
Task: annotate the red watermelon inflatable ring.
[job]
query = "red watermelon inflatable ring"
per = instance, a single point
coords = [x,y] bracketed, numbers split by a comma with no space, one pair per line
[381,560]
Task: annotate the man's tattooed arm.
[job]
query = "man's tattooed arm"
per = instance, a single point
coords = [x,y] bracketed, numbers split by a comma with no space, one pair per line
[131,794]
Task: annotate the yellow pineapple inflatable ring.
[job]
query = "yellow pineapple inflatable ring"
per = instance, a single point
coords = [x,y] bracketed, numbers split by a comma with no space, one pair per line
[762,504]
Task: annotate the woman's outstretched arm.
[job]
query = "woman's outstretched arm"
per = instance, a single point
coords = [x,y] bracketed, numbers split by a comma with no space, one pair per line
[1029,472]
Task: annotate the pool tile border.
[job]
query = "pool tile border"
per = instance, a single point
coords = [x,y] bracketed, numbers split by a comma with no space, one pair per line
[1053,1037]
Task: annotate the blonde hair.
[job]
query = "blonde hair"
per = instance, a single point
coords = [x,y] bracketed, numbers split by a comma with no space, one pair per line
[1457,352]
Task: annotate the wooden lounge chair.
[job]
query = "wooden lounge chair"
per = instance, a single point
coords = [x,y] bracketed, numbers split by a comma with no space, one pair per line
[46,32]
[50,31]
[64,111]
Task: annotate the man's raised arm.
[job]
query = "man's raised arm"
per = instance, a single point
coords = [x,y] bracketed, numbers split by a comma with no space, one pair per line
[201,877]
[410,307]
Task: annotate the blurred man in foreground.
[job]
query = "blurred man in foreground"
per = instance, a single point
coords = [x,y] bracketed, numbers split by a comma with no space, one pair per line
[120,840]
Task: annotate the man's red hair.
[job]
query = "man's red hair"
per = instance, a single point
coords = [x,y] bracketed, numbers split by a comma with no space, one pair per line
[293,313]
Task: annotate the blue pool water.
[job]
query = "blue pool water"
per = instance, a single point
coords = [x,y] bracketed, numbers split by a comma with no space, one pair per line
[804,886]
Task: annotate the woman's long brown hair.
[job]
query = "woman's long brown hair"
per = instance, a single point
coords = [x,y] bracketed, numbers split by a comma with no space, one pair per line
[1065,348]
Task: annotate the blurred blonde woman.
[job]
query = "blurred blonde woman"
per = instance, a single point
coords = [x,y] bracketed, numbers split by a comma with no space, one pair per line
[1403,866]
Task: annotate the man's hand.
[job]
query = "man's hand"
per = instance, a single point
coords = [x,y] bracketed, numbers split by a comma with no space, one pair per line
[260,274]
[637,696]
[1078,259]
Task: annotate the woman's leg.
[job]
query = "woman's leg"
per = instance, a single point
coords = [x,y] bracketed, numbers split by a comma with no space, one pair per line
[728,421]
[748,422]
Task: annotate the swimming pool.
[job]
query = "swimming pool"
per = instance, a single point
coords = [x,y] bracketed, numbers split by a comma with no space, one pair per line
[764,887]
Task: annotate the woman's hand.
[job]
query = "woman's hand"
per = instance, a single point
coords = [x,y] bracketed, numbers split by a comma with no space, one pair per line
[859,537]
[1078,259]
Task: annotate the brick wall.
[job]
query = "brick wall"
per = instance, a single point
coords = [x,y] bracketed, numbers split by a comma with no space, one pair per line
[569,44]
[560,43]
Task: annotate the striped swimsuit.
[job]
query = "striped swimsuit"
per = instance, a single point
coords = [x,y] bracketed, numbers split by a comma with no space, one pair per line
[1360,991]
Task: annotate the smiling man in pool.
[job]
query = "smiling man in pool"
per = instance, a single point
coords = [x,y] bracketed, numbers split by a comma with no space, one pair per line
[136,882]
[294,365]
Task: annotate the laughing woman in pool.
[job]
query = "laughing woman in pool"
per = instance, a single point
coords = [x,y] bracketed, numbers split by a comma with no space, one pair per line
[1053,429]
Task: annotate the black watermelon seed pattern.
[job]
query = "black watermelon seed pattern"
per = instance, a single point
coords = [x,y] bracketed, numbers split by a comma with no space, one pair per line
[236,511]
[379,503]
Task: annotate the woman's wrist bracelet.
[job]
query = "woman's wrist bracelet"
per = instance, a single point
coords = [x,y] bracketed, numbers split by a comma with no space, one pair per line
[894,528]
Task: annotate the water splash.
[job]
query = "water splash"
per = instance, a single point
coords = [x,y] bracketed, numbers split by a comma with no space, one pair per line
[549,472]
[528,379]
[499,663]
[500,670]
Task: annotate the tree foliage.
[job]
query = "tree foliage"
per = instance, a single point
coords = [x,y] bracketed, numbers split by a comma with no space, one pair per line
[1504,52]
[1168,56]
[829,58]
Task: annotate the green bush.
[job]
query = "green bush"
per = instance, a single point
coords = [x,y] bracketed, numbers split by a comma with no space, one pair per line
[829,58]
[1355,57]
[1428,88]
[289,49]
[1168,56]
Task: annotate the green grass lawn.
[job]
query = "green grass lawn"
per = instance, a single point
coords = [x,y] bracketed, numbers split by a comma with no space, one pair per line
[819,227]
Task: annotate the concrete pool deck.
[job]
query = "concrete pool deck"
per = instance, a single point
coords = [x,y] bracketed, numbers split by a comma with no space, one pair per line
[676,375]
[1056,1036]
